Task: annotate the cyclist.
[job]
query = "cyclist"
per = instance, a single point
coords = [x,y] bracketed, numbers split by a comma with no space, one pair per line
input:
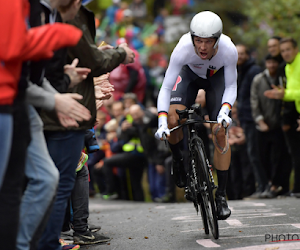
[204,58]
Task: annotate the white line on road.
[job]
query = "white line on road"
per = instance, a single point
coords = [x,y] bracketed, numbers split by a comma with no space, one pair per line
[281,246]
[259,204]
[257,210]
[244,236]
[185,219]
[160,207]
[207,243]
[188,217]
[248,204]
[260,215]
[234,222]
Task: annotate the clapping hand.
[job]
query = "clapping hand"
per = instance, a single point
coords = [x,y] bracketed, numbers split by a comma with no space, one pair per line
[75,73]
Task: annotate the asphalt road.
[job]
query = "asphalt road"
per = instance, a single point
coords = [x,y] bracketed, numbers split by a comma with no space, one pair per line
[254,224]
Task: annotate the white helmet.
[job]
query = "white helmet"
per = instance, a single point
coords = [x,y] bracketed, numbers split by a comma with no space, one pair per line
[206,24]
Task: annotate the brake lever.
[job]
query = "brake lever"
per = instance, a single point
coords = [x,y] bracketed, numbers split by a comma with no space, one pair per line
[165,139]
[224,125]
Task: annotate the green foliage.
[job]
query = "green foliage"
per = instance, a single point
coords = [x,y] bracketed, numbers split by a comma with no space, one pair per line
[259,20]
[268,18]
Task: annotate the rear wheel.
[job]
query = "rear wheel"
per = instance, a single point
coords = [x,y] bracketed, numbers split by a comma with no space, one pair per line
[205,195]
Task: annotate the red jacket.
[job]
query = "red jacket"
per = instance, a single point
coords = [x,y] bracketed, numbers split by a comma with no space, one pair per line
[119,77]
[18,44]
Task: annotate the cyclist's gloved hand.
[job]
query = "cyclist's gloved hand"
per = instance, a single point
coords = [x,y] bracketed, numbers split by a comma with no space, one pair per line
[223,116]
[162,129]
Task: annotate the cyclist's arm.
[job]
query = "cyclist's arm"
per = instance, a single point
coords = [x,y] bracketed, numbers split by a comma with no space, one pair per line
[163,101]
[230,74]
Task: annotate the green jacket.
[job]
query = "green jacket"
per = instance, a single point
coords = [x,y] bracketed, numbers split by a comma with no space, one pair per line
[292,91]
[100,62]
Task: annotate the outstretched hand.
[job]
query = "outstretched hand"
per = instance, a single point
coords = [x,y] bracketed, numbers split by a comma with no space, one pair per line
[129,53]
[277,92]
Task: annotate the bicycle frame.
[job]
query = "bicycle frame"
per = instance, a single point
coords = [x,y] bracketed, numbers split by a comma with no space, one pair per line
[190,123]
[200,182]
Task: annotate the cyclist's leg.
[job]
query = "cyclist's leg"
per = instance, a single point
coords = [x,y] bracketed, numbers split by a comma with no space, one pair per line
[183,95]
[214,96]
[177,135]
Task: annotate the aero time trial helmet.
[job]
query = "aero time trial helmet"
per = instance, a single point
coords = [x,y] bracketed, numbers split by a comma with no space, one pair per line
[206,24]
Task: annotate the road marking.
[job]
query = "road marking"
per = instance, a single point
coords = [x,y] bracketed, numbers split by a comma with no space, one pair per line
[260,215]
[207,243]
[160,207]
[281,246]
[196,218]
[244,236]
[187,217]
[259,204]
[258,210]
[242,226]
[296,225]
[234,222]
[248,204]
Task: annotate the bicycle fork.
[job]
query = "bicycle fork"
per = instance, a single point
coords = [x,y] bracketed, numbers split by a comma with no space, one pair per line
[211,175]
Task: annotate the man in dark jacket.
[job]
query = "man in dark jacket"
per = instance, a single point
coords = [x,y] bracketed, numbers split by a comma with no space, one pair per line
[65,145]
[247,70]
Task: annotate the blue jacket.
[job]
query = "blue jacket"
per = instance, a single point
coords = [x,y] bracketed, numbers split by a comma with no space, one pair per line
[246,73]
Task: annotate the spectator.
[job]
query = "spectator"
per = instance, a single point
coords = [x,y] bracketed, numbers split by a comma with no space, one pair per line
[240,171]
[266,113]
[273,47]
[156,69]
[145,123]
[290,54]
[120,12]
[157,5]
[139,12]
[129,99]
[179,6]
[98,155]
[247,69]
[288,109]
[128,153]
[65,145]
[128,78]
[111,11]
[160,21]
[33,45]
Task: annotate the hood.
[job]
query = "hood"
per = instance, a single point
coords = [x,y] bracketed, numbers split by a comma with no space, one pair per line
[47,4]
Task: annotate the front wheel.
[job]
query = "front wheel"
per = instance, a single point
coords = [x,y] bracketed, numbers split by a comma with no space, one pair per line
[205,187]
[203,215]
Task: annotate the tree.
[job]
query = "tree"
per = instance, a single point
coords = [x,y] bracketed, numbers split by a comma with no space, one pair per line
[253,22]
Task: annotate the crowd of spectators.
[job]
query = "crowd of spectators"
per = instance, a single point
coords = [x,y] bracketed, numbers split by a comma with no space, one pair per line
[265,132]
